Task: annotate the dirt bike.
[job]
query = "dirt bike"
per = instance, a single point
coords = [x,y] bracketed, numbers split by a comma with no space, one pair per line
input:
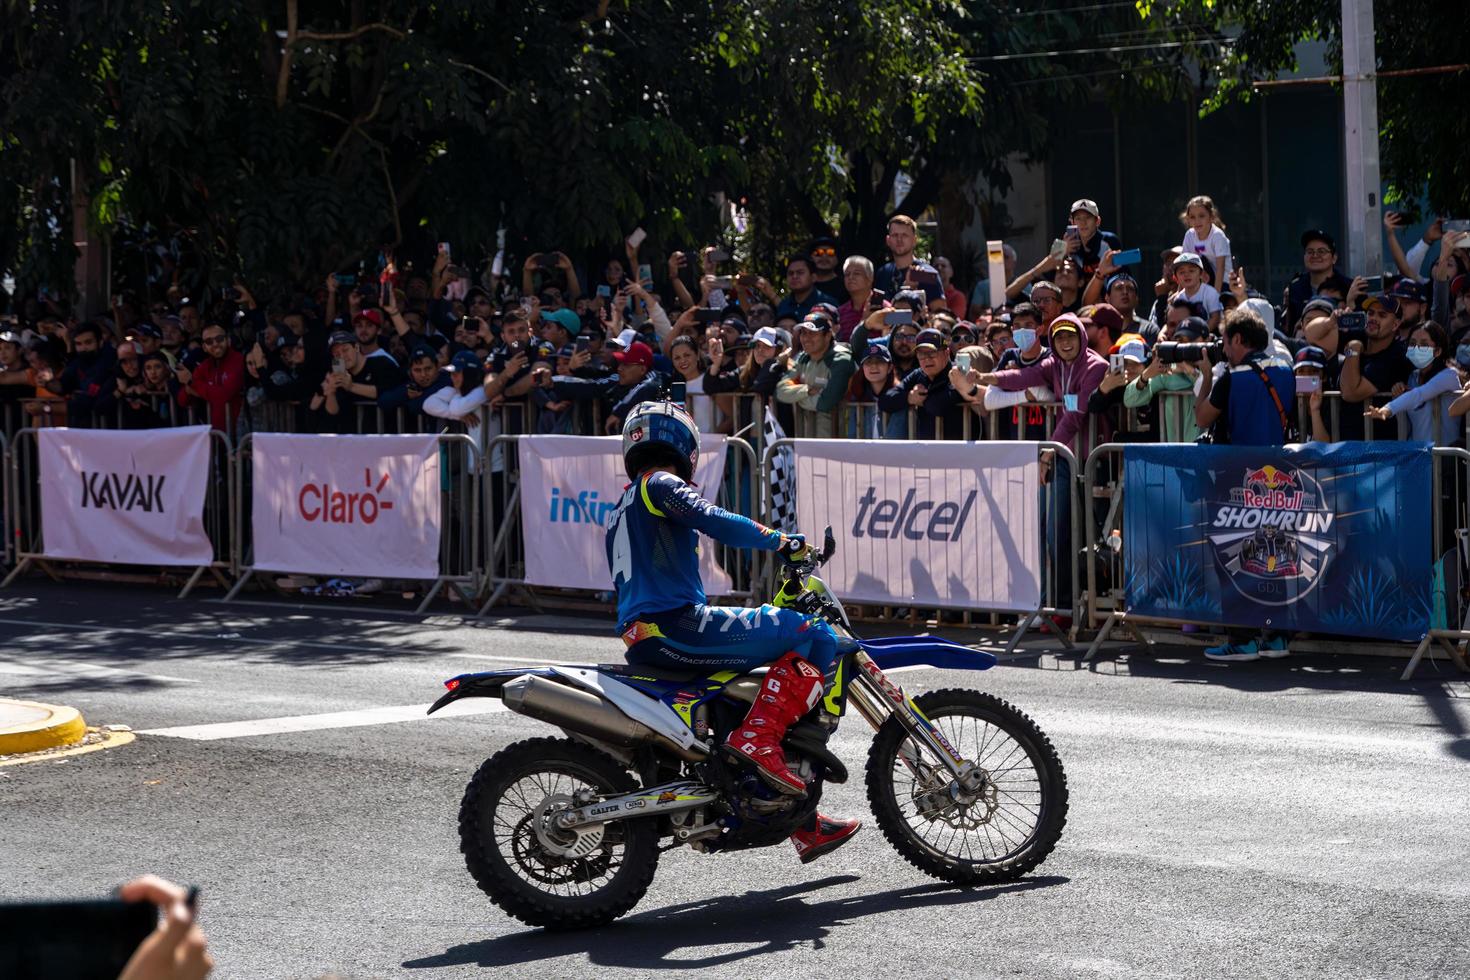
[565,833]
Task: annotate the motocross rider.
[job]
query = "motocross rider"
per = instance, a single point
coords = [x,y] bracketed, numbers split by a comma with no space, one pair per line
[652,552]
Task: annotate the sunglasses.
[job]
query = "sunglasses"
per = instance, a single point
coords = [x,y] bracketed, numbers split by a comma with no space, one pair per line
[824,251]
[211,341]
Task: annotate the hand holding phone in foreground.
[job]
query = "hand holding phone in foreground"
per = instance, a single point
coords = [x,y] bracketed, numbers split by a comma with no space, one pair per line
[176,950]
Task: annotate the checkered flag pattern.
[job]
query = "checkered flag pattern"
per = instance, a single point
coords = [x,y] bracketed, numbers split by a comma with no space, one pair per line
[783,478]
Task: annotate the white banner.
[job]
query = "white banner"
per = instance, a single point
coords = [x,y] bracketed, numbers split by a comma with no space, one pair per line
[570,485]
[925,523]
[346,505]
[125,496]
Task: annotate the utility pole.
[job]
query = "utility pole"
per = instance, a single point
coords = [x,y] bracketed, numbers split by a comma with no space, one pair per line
[1360,139]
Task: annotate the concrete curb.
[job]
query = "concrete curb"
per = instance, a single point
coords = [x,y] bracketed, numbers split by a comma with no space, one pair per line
[30,726]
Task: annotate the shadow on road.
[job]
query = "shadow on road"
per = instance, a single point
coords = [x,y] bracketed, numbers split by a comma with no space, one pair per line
[756,923]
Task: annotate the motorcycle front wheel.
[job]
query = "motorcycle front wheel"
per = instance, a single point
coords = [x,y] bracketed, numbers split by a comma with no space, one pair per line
[536,872]
[996,835]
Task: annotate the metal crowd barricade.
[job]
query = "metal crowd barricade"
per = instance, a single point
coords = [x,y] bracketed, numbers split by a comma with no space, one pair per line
[1057,495]
[460,531]
[503,503]
[23,515]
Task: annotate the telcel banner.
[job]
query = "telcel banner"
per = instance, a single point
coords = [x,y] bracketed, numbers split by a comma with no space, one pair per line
[570,485]
[925,523]
[1326,538]
[125,496]
[346,505]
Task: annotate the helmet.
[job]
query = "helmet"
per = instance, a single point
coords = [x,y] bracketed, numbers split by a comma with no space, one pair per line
[660,434]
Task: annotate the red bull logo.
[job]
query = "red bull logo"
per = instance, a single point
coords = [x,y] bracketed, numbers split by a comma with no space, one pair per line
[1271,487]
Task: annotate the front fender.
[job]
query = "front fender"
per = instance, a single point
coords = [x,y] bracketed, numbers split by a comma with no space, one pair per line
[889,652]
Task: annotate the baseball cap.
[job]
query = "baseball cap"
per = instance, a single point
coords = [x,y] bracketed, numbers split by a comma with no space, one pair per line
[963,327]
[1084,204]
[1191,329]
[879,351]
[464,359]
[1311,356]
[1188,258]
[734,321]
[826,309]
[1066,322]
[287,340]
[929,338]
[1118,277]
[1318,235]
[130,347]
[1103,315]
[623,339]
[1407,288]
[815,321]
[422,351]
[145,330]
[372,316]
[767,336]
[1383,301]
[566,318]
[1323,303]
[567,351]
[1132,347]
[342,337]
[11,337]
[637,353]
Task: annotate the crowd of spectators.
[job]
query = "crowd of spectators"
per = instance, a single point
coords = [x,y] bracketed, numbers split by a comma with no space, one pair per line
[1086,346]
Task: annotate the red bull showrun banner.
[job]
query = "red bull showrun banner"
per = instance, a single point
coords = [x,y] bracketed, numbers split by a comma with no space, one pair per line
[1321,538]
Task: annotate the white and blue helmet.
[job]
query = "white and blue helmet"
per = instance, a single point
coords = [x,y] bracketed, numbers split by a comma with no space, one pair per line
[660,434]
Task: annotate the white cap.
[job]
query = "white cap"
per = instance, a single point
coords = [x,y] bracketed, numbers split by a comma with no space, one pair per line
[767,336]
[625,338]
[1134,350]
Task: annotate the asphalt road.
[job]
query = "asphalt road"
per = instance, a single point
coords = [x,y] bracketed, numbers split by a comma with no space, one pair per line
[1305,817]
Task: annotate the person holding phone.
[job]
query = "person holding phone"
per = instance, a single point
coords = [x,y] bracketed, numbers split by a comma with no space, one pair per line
[546,263]
[906,271]
[1084,237]
[217,382]
[937,404]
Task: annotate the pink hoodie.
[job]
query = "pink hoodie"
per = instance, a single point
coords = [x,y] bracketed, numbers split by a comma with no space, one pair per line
[1080,378]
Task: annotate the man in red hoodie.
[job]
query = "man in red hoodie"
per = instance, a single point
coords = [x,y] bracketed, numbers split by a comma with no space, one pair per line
[218,381]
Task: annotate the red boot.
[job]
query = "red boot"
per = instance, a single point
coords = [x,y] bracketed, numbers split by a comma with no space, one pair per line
[788,692]
[825,835]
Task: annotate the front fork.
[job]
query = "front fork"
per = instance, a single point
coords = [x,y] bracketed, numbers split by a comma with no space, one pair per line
[877,699]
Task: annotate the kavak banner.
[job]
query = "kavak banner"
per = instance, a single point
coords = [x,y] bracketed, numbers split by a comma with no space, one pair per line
[346,505]
[125,496]
[1325,538]
[570,486]
[925,523]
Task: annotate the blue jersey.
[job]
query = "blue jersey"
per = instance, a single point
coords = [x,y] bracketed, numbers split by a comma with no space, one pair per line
[653,550]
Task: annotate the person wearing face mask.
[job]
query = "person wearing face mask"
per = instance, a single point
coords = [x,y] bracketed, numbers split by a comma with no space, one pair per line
[1426,400]
[1019,415]
[1374,362]
[1072,371]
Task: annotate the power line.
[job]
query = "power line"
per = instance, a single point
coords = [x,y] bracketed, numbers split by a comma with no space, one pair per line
[1118,49]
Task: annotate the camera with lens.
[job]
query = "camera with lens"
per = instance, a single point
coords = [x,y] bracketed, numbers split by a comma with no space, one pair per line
[1173,352]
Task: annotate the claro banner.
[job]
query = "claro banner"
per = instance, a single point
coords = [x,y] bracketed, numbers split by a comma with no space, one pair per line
[570,486]
[125,496]
[925,523]
[346,505]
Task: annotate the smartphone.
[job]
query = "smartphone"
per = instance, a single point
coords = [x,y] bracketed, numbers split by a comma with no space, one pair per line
[1058,248]
[1130,257]
[720,255]
[898,318]
[497,265]
[605,291]
[584,343]
[444,248]
[645,273]
[677,392]
[1460,225]
[344,279]
[338,365]
[1072,232]
[926,276]
[1373,284]
[546,262]
[962,361]
[706,315]
[1307,384]
[724,282]
[875,299]
[636,239]
[1115,363]
[72,939]
[1352,321]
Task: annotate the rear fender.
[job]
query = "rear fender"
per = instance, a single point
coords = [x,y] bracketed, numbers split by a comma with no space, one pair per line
[889,652]
[486,684]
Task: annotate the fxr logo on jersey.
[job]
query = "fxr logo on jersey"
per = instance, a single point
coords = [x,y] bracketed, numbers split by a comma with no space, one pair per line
[1273,536]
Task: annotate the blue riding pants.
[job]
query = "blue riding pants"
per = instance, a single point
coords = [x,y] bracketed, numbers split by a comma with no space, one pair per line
[732,637]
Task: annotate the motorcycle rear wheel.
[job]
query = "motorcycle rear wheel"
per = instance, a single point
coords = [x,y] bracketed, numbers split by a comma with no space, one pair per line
[1001,836]
[544,877]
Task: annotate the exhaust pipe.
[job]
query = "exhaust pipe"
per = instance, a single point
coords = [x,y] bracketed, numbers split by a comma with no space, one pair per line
[584,713]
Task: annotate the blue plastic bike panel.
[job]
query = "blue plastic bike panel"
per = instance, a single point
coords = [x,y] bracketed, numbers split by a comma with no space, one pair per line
[889,652]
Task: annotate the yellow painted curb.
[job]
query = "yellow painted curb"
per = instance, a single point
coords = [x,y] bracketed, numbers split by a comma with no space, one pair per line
[43,726]
[107,740]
